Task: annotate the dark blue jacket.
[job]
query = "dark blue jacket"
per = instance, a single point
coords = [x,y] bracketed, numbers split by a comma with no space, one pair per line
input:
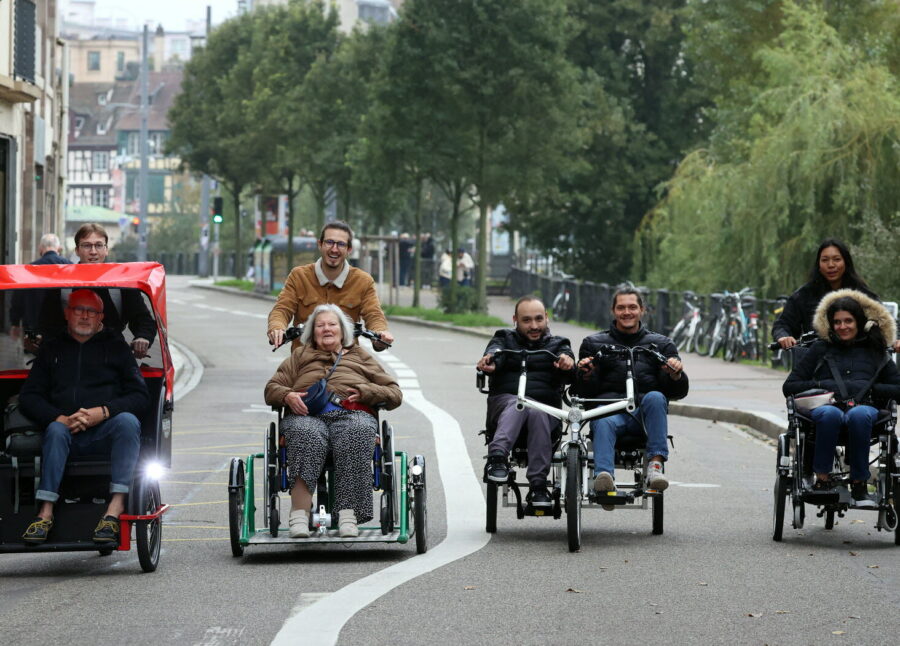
[545,382]
[68,375]
[25,308]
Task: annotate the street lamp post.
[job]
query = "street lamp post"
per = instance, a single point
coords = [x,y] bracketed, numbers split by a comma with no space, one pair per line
[143,176]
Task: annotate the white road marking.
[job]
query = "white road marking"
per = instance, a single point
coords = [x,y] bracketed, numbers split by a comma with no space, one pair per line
[465,534]
[196,371]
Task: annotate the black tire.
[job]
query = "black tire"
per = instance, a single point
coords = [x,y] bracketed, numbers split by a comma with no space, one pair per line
[732,349]
[716,338]
[680,335]
[781,493]
[829,520]
[273,519]
[148,533]
[236,506]
[897,530]
[657,504]
[799,514]
[753,348]
[573,498]
[702,338]
[274,515]
[490,524]
[420,514]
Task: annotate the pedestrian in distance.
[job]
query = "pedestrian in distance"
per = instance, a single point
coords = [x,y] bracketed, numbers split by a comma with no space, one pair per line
[25,306]
[654,386]
[445,270]
[330,279]
[546,378]
[87,392]
[832,269]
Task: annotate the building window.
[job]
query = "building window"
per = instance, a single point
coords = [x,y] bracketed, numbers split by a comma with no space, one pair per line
[376,12]
[101,161]
[120,61]
[100,197]
[25,44]
[101,98]
[157,143]
[133,147]
[94,61]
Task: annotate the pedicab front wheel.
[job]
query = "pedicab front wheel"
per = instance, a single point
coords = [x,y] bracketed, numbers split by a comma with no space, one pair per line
[149,532]
[236,506]
[573,498]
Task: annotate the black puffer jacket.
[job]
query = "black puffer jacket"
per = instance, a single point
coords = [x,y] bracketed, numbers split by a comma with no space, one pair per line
[607,381]
[68,375]
[797,315]
[856,362]
[544,380]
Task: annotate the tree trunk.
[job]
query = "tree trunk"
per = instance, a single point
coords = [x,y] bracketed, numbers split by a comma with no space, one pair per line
[238,250]
[290,223]
[417,268]
[481,274]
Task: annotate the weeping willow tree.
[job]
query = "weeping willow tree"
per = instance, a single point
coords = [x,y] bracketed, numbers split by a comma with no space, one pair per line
[816,153]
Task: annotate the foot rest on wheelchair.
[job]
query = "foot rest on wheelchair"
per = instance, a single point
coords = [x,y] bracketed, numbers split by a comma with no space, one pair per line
[611,497]
[822,497]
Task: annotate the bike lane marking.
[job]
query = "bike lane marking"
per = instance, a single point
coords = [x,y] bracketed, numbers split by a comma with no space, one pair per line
[323,619]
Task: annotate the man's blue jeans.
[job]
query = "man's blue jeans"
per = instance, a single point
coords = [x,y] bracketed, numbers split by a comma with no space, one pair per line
[119,437]
[653,412]
[859,421]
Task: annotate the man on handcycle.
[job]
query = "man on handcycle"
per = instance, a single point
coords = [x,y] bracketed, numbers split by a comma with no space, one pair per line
[87,392]
[545,381]
[655,385]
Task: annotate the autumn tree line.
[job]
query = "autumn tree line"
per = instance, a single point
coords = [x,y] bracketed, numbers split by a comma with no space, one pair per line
[679,143]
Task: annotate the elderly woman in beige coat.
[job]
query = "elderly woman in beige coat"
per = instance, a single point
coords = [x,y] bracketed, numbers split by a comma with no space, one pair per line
[346,430]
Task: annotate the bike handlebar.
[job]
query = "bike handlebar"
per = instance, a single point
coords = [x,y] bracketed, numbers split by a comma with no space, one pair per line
[806,339]
[359,329]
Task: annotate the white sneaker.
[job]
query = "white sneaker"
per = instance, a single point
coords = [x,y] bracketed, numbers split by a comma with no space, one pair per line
[298,522]
[655,477]
[347,527]
[603,483]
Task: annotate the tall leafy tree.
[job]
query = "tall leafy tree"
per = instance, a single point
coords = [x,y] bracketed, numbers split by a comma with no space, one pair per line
[211,129]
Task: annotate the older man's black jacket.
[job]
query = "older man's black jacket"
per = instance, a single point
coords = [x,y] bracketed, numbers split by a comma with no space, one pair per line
[68,375]
[544,380]
[608,378]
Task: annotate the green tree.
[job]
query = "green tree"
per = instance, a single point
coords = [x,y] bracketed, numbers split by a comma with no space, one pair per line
[212,130]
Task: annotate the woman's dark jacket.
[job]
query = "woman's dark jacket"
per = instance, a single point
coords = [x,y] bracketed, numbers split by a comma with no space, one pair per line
[68,375]
[544,380]
[797,316]
[855,362]
[607,381]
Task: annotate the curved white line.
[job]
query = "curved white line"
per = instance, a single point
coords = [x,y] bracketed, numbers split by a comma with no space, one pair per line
[195,367]
[465,534]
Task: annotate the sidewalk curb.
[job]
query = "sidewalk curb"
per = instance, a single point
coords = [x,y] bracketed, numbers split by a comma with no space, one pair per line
[765,423]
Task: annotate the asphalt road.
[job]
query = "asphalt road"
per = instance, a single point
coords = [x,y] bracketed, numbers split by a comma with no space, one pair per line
[714,576]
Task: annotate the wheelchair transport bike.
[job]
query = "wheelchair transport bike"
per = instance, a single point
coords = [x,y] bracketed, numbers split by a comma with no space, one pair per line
[793,475]
[85,485]
[572,461]
[402,515]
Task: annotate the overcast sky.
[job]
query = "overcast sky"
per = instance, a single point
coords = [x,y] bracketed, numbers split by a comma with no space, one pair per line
[171,14]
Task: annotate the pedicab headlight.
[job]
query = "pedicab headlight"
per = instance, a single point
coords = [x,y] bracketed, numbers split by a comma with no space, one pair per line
[154,470]
[416,469]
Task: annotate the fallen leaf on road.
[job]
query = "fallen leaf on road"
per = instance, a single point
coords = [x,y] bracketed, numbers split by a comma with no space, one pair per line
[856,520]
[754,614]
[703,583]
[469,587]
[838,632]
[782,612]
[574,590]
[872,567]
[853,617]
[659,612]
[853,553]
[626,560]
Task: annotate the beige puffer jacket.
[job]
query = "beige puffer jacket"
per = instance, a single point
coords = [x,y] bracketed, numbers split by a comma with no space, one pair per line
[357,369]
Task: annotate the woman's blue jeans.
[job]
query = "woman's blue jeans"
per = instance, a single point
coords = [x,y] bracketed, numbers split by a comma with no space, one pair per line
[119,437]
[858,421]
[653,412]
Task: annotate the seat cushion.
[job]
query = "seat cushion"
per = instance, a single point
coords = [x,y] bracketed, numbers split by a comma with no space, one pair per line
[24,445]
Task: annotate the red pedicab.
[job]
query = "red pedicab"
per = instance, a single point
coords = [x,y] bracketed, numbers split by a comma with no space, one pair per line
[85,485]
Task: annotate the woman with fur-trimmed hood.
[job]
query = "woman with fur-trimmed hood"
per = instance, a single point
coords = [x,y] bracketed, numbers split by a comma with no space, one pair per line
[849,358]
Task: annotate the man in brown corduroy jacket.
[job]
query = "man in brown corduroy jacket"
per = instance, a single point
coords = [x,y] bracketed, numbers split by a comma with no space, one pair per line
[330,279]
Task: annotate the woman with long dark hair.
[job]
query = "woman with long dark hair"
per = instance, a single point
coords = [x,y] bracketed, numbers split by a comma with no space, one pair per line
[832,269]
[849,359]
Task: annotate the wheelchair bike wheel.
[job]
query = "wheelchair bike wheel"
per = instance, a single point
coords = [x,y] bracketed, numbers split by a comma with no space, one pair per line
[388,511]
[799,513]
[148,533]
[420,507]
[490,524]
[781,493]
[273,513]
[657,504]
[236,506]
[573,498]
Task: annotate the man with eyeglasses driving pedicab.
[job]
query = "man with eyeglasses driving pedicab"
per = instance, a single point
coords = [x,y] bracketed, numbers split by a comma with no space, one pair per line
[330,279]
[545,380]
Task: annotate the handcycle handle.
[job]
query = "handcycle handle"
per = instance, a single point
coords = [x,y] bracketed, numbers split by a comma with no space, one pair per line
[359,329]
[806,339]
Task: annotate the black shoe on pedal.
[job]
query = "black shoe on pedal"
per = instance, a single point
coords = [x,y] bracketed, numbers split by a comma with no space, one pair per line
[538,496]
[859,491]
[497,469]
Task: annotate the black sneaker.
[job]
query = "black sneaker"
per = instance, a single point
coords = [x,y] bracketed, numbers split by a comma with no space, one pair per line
[859,491]
[539,496]
[107,530]
[497,469]
[38,530]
